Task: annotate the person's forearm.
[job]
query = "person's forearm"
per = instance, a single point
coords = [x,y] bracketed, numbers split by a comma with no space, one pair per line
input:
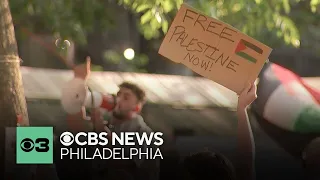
[245,136]
[246,147]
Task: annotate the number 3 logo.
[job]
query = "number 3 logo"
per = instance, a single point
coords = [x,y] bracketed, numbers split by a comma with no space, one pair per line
[43,145]
[40,145]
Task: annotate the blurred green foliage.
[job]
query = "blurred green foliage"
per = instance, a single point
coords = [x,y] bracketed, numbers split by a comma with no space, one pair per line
[67,19]
[314,4]
[96,67]
[137,64]
[266,20]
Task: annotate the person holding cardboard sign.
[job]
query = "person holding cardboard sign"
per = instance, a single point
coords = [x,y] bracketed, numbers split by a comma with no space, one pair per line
[219,52]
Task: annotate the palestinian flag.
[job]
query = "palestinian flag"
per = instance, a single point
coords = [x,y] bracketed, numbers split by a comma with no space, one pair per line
[241,50]
[286,101]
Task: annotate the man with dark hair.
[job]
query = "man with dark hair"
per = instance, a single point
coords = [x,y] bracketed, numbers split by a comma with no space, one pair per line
[130,98]
[110,113]
[137,91]
[118,111]
[214,166]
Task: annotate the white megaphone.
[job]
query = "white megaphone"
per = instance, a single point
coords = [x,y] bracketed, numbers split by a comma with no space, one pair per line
[76,94]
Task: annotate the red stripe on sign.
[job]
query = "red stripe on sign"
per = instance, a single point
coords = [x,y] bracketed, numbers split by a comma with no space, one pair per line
[240,47]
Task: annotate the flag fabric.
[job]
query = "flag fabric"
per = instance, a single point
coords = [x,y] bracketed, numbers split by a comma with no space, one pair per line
[286,101]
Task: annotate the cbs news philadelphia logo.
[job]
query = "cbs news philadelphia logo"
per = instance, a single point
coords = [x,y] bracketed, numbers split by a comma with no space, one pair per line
[34,145]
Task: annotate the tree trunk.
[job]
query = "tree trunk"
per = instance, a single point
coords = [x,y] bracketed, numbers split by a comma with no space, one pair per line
[12,99]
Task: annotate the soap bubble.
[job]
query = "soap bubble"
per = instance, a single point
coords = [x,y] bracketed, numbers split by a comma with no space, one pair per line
[62,44]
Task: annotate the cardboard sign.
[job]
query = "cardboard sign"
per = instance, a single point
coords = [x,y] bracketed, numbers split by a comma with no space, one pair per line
[214,49]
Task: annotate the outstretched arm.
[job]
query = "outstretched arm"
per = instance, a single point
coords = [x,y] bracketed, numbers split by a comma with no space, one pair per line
[246,149]
[74,97]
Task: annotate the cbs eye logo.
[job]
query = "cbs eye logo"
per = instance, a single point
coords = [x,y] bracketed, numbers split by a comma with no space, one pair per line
[66,138]
[39,145]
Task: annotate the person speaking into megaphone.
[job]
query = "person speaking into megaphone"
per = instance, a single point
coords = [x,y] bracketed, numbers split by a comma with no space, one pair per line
[121,109]
[111,113]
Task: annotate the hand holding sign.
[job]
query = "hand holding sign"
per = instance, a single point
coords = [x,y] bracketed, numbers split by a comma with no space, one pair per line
[247,96]
[214,49]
